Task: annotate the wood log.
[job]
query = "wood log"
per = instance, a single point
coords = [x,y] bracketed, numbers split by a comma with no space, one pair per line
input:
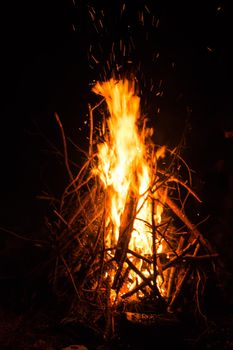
[126,228]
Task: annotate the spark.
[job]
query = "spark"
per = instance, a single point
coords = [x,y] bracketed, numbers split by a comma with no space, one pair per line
[96,61]
[147,9]
[209,49]
[219,8]
[122,9]
[121,47]
[141,17]
[92,15]
[101,23]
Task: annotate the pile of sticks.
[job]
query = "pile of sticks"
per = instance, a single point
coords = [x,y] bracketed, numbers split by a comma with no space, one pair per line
[92,279]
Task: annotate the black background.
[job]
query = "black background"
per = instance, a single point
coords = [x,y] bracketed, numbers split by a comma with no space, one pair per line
[46,68]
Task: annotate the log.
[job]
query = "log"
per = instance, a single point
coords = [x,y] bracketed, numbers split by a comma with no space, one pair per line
[126,228]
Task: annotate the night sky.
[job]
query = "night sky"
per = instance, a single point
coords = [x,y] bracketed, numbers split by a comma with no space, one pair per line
[52,51]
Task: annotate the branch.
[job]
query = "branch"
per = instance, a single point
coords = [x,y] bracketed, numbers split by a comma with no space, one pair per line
[64,146]
[186,221]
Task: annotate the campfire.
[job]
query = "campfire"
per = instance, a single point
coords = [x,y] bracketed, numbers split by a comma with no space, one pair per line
[123,241]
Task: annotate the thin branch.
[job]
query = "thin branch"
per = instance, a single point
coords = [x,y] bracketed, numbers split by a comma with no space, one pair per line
[186,221]
[91,130]
[70,274]
[64,146]
[36,241]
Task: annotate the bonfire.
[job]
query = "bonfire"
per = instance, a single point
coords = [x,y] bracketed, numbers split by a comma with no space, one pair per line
[124,244]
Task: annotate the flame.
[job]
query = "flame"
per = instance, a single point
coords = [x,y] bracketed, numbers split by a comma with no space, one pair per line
[124,169]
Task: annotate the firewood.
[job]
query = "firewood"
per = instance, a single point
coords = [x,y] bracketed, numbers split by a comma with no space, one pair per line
[183,276]
[126,229]
[145,279]
[197,234]
[96,259]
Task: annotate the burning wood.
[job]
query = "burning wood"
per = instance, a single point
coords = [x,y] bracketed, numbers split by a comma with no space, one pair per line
[122,240]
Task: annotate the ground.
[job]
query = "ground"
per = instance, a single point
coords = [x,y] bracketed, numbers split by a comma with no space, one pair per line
[32,319]
[36,331]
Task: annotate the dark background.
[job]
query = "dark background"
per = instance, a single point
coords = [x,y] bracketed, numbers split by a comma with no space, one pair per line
[47,66]
[51,53]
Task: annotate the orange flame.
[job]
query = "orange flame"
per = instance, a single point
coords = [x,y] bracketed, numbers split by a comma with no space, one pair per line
[123,166]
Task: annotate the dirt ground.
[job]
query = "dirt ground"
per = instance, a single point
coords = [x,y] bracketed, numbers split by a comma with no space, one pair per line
[32,320]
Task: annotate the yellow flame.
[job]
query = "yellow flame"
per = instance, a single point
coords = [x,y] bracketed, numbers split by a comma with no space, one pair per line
[123,165]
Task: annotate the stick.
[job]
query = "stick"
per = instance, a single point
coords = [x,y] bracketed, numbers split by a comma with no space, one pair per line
[186,221]
[172,274]
[145,279]
[156,290]
[64,146]
[126,229]
[70,274]
[135,290]
[179,287]
[179,256]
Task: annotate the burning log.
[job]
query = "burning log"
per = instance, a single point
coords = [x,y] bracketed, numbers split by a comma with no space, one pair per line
[125,232]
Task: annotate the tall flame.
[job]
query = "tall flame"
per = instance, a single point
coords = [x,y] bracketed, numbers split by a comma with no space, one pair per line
[124,169]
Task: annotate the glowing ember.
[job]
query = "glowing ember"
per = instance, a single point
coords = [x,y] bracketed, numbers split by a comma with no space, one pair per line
[128,179]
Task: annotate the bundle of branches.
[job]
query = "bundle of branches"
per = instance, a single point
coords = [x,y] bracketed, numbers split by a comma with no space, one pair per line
[97,274]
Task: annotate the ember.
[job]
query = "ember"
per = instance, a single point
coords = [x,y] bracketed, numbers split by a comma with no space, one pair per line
[125,242]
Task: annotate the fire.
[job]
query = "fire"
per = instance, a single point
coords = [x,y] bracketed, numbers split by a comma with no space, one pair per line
[127,175]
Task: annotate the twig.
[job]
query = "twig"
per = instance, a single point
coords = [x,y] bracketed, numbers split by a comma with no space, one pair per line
[70,274]
[64,146]
[199,280]
[142,285]
[61,218]
[91,130]
[179,255]
[186,221]
[181,283]
[154,250]
[37,241]
[139,256]
[145,279]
